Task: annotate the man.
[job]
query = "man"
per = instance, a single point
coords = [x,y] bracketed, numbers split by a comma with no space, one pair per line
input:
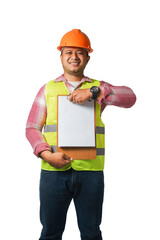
[64,178]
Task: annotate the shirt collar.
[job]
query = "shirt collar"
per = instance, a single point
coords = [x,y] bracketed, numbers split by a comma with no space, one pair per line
[62,79]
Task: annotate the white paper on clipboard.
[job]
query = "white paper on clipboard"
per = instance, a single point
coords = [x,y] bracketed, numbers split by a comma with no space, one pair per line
[76,123]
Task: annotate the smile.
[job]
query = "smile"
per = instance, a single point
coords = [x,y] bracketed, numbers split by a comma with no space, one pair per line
[74,63]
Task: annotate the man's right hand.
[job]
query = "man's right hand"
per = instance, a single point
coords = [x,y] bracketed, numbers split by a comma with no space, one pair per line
[57,160]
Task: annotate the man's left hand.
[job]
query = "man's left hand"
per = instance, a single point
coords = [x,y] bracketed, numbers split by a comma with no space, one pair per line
[80,96]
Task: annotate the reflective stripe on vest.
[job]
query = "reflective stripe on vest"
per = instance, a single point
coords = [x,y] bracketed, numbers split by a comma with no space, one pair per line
[53,128]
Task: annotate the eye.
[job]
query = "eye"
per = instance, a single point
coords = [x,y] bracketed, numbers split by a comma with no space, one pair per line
[69,52]
[81,53]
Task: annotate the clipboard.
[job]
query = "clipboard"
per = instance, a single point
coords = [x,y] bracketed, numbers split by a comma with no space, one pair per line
[76,152]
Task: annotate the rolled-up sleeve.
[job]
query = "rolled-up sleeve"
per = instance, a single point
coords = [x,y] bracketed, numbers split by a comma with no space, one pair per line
[35,123]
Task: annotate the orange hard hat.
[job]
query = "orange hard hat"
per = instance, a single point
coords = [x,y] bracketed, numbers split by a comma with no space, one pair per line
[75,38]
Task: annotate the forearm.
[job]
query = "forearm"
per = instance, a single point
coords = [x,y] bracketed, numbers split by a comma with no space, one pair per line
[35,123]
[37,141]
[120,96]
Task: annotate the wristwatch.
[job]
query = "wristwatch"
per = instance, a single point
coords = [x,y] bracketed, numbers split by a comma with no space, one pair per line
[94,90]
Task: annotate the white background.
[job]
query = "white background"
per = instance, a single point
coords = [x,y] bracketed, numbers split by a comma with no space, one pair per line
[125,37]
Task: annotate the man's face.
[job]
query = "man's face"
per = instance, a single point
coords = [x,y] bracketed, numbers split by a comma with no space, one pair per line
[74,60]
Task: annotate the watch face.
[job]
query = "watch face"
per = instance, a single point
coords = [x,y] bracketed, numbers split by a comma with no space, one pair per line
[96,89]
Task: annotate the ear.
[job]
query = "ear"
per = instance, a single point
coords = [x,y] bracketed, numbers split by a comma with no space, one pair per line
[88,58]
[61,58]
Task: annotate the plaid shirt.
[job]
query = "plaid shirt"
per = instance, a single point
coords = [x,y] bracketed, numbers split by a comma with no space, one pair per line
[112,95]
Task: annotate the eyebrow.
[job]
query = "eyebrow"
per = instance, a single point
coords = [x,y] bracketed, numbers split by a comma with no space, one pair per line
[70,50]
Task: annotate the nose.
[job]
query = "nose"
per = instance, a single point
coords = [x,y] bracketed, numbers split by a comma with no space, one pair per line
[74,55]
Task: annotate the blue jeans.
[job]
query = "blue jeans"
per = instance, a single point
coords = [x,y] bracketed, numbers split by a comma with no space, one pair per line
[57,189]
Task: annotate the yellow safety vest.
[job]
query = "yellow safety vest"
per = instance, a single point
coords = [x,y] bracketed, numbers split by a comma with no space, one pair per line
[50,129]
